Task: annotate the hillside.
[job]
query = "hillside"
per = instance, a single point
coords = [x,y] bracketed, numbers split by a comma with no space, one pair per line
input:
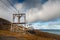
[5,34]
[4,24]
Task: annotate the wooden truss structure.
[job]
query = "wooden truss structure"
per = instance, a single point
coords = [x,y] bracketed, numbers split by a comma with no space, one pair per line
[19,16]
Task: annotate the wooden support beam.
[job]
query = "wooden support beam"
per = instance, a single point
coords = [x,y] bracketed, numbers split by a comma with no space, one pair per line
[18,23]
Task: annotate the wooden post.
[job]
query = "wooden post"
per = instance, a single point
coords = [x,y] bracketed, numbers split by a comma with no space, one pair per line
[13,18]
[19,18]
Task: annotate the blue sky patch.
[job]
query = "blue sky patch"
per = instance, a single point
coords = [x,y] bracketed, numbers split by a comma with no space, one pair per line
[43,1]
[20,1]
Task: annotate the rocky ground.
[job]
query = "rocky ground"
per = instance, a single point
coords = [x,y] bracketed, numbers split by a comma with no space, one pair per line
[7,35]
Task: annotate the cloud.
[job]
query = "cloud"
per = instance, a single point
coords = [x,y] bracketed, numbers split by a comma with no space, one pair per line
[33,8]
[19,7]
[6,10]
[29,5]
[49,11]
[32,3]
[35,11]
[46,25]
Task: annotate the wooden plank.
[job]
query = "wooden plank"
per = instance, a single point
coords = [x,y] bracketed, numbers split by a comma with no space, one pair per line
[18,23]
[19,14]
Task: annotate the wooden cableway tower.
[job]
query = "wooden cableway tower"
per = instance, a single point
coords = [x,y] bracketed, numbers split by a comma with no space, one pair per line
[18,16]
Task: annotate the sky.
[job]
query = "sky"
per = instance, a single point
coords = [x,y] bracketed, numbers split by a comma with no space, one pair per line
[40,14]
